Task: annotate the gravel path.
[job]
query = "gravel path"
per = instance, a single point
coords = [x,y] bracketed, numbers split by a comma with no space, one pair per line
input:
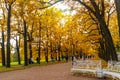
[50,72]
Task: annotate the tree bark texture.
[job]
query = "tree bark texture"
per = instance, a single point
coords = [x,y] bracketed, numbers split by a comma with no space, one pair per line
[18,52]
[3,49]
[8,36]
[25,44]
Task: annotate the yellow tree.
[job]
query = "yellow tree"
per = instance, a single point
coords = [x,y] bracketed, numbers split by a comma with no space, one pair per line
[49,21]
[113,26]
[117,2]
[98,12]
[2,25]
[8,4]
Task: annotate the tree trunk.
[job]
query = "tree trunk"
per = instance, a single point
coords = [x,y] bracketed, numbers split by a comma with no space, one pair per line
[8,36]
[30,49]
[30,45]
[59,47]
[46,52]
[51,49]
[39,49]
[25,44]
[3,49]
[103,52]
[46,48]
[55,51]
[108,39]
[39,45]
[18,52]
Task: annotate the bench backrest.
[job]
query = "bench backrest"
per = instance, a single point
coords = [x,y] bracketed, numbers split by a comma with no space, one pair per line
[87,64]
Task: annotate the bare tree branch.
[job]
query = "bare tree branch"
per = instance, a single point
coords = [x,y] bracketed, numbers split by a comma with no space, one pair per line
[95,7]
[109,14]
[8,3]
[103,9]
[91,10]
[5,1]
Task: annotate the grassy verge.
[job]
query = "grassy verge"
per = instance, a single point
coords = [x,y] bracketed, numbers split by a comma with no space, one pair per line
[15,66]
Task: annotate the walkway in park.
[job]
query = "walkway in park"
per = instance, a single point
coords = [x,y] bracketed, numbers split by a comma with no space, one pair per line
[51,72]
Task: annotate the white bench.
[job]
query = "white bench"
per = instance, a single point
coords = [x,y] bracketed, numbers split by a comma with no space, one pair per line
[94,66]
[86,66]
[113,66]
[112,74]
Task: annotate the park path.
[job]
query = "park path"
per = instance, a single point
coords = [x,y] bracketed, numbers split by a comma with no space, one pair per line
[51,72]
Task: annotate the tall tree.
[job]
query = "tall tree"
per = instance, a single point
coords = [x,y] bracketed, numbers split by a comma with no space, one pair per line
[98,10]
[9,8]
[2,22]
[117,3]
[3,49]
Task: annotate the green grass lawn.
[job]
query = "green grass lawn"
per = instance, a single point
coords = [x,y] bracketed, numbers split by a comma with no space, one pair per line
[22,63]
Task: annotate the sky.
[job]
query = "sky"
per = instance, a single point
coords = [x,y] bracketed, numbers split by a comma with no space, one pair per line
[61,6]
[64,8]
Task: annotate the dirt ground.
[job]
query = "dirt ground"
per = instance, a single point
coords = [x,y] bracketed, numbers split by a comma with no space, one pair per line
[50,72]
